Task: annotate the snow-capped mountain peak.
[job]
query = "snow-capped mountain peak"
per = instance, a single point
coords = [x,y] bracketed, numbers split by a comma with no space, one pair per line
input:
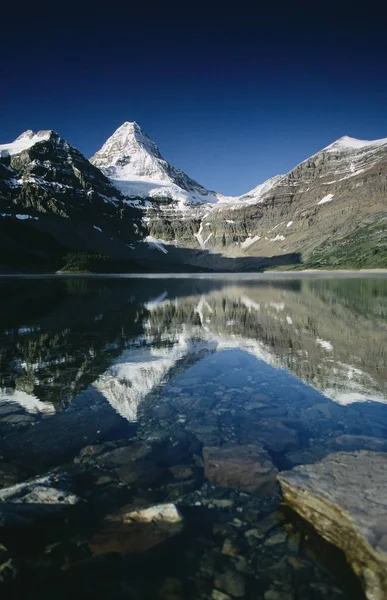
[347,143]
[25,141]
[134,163]
[129,151]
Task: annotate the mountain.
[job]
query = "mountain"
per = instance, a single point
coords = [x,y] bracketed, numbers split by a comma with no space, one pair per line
[331,209]
[135,165]
[128,209]
[54,201]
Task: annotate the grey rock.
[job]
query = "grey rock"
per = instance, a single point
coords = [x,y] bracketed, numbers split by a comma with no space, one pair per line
[25,503]
[17,419]
[343,496]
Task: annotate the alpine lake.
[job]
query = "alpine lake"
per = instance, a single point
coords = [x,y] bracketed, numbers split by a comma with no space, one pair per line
[145,423]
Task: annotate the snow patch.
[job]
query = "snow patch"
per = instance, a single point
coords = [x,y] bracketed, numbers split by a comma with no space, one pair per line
[24,141]
[290,223]
[97,228]
[277,238]
[250,240]
[326,199]
[324,344]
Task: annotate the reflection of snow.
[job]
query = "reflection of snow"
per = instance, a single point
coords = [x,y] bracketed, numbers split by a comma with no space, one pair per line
[351,397]
[140,370]
[248,303]
[27,401]
[342,383]
[153,302]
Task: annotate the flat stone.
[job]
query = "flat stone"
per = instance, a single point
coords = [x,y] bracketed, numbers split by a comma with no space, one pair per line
[344,498]
[223,503]
[16,419]
[232,583]
[122,456]
[277,538]
[141,472]
[33,500]
[181,471]
[130,530]
[276,436]
[247,468]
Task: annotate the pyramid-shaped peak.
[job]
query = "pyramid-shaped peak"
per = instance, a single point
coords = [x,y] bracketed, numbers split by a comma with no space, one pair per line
[128,144]
[131,131]
[130,125]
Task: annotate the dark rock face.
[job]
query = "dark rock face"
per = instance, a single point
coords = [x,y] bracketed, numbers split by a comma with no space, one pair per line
[343,498]
[53,200]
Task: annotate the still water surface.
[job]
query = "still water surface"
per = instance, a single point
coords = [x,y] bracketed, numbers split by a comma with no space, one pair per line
[172,366]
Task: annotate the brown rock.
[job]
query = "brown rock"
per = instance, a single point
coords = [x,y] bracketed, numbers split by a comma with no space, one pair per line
[130,530]
[247,468]
[229,549]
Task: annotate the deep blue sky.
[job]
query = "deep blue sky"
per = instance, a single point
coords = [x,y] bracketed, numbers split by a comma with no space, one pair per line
[231,96]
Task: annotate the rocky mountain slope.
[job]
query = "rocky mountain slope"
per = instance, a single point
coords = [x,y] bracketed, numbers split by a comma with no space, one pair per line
[129,209]
[331,208]
[54,201]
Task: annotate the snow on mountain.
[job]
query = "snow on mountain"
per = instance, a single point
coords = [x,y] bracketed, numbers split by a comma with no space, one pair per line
[349,143]
[255,195]
[135,165]
[26,140]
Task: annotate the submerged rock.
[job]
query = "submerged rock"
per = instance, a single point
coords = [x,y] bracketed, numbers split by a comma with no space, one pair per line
[130,530]
[33,500]
[247,467]
[343,497]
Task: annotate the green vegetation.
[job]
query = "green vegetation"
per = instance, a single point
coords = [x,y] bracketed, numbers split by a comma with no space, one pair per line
[363,249]
[84,262]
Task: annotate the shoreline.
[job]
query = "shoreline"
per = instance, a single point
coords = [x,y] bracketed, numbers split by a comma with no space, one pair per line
[213,275]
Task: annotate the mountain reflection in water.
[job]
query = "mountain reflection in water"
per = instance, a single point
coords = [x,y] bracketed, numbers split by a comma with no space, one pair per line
[126,337]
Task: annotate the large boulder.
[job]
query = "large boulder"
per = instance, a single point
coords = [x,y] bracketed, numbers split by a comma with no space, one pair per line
[344,497]
[247,468]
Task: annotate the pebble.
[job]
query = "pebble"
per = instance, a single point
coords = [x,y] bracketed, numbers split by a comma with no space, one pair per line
[278,538]
[229,549]
[217,595]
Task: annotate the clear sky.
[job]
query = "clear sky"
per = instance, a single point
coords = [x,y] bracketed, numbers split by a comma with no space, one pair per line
[231,96]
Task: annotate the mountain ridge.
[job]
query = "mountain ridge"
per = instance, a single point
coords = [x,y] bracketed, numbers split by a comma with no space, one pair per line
[128,203]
